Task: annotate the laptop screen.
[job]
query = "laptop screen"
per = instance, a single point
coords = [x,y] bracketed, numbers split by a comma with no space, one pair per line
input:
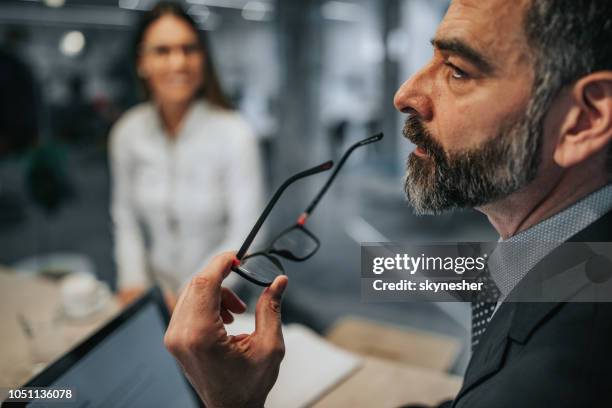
[124,364]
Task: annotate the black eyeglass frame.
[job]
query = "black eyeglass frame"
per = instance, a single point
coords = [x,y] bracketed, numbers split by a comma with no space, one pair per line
[240,255]
[270,251]
[284,253]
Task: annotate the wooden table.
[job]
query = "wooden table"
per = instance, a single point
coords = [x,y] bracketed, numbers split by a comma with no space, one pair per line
[23,293]
[397,344]
[378,383]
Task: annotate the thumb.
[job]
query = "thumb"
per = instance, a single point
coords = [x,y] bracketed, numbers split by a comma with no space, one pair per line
[268,310]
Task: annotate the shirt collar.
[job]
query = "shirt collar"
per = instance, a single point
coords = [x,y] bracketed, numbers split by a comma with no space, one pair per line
[197,110]
[508,263]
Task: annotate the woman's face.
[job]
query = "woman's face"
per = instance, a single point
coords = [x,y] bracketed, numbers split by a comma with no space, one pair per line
[171,61]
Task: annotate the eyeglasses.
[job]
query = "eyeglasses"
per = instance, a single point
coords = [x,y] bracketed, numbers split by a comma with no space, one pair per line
[295,243]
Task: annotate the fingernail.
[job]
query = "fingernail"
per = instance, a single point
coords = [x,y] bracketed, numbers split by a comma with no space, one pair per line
[282,285]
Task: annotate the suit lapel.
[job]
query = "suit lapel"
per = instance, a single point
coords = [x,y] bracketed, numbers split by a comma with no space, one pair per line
[488,356]
[599,231]
[516,321]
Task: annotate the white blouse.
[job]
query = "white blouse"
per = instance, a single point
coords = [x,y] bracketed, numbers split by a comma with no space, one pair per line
[178,202]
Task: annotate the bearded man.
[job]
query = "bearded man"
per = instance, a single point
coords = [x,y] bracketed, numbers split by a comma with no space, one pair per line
[511,116]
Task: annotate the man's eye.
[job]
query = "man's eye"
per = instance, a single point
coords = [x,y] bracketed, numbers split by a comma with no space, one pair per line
[456,73]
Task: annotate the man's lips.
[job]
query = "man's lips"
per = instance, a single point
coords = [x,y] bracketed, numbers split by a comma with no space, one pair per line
[421,152]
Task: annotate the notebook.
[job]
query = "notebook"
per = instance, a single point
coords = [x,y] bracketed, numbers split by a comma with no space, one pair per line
[312,366]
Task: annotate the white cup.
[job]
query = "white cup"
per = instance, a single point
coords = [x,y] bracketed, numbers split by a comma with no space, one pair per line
[83,295]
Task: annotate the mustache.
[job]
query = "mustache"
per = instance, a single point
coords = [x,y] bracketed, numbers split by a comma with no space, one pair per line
[415,131]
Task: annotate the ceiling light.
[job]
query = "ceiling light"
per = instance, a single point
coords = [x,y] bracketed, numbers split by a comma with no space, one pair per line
[256,11]
[72,43]
[54,3]
[129,4]
[338,10]
[202,12]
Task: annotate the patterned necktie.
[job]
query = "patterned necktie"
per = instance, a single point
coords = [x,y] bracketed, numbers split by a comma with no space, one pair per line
[483,306]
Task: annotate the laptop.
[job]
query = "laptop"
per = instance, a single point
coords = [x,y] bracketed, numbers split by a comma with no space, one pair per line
[124,364]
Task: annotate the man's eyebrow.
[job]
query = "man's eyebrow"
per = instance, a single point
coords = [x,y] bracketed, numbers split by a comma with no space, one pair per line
[464,50]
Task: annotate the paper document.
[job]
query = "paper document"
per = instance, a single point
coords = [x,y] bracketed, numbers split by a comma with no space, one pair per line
[311,367]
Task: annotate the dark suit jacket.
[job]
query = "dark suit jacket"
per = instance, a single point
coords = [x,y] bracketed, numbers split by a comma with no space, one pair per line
[556,354]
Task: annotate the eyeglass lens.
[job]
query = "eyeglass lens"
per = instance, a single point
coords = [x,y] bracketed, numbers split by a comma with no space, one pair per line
[260,267]
[297,242]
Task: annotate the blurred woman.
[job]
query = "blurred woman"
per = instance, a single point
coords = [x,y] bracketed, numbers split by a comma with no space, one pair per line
[185,166]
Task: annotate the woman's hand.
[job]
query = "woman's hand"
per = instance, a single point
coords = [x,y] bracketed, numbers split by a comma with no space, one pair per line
[129,295]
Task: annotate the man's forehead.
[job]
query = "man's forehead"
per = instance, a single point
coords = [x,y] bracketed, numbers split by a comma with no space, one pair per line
[494,27]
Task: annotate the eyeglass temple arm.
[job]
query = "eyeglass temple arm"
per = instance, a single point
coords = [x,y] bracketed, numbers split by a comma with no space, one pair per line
[249,240]
[345,156]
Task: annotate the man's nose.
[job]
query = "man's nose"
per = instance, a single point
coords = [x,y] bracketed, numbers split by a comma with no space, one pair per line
[413,96]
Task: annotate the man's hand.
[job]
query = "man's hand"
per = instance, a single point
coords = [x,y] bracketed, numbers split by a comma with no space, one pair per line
[226,371]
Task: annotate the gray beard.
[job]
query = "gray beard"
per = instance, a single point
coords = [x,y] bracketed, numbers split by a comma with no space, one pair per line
[472,177]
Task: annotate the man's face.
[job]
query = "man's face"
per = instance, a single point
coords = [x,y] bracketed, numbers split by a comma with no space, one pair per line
[468,110]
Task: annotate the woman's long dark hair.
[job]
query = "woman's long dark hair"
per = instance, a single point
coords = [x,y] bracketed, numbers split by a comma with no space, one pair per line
[211,90]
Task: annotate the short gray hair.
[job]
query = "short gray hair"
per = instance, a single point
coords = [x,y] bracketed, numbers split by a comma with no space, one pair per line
[569,39]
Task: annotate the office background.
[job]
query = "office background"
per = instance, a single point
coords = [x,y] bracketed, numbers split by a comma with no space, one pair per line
[311,77]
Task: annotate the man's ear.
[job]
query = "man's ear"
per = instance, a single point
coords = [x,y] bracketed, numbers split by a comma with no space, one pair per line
[587,128]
